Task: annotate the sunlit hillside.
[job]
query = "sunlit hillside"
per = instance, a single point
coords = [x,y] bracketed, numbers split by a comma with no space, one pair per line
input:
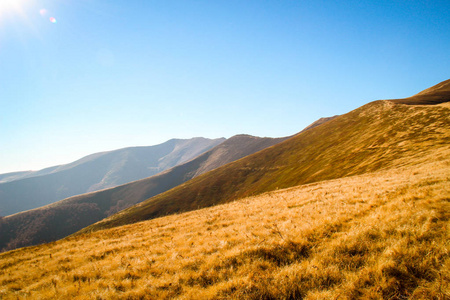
[357,207]
[382,235]
[376,136]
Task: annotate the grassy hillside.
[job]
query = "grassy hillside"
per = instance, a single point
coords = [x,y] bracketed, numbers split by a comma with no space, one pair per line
[97,171]
[376,136]
[65,217]
[365,215]
[382,235]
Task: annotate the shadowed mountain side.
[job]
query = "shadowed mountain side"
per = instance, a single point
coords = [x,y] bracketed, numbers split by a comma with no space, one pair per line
[65,217]
[375,136]
[436,94]
[233,149]
[97,171]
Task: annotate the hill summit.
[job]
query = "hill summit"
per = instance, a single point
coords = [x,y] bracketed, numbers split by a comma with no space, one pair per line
[439,93]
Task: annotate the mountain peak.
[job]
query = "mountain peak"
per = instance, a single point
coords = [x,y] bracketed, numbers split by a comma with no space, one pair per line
[436,94]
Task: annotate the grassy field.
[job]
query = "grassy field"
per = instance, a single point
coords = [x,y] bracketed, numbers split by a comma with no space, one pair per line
[381,235]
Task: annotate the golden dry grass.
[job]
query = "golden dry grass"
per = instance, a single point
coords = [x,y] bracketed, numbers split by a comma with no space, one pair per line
[382,235]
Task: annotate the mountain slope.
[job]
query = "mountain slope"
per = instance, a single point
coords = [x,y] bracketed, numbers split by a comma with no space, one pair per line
[379,135]
[380,235]
[97,171]
[65,217]
[7,177]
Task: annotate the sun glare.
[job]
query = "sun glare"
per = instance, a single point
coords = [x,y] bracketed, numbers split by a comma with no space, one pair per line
[9,7]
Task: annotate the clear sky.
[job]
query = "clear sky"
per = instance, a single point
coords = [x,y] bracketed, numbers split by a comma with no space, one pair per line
[84,76]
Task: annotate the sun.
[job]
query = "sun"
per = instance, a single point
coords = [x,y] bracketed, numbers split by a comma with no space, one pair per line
[12,7]
[7,5]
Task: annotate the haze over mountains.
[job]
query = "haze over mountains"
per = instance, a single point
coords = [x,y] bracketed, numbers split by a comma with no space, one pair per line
[27,190]
[67,216]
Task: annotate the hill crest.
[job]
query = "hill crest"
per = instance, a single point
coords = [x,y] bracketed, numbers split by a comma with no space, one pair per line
[439,93]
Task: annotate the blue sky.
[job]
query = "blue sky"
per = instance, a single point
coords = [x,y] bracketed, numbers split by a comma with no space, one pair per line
[110,74]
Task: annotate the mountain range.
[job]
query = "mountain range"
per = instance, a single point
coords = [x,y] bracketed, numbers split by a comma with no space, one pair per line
[22,191]
[375,136]
[353,207]
[62,218]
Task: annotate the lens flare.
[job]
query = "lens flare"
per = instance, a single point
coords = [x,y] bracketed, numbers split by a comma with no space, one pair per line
[43,12]
[53,20]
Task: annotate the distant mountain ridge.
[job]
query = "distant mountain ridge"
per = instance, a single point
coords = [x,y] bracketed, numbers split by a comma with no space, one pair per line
[67,216]
[28,190]
[7,177]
